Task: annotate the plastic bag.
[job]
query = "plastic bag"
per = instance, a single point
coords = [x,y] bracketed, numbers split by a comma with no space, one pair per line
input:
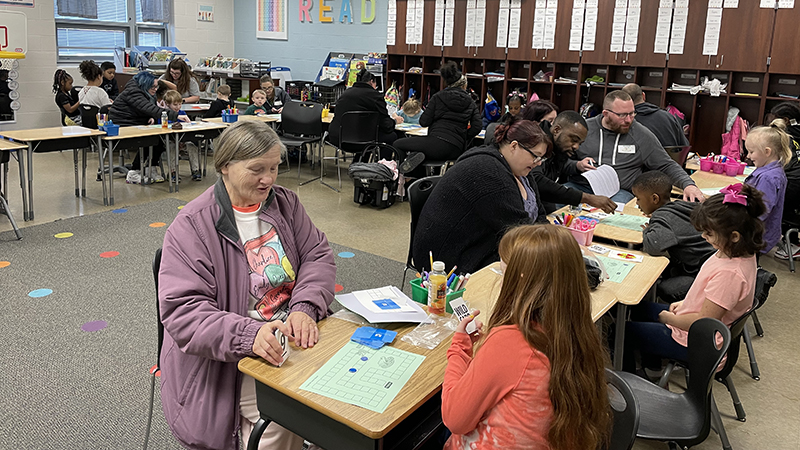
[349,316]
[430,335]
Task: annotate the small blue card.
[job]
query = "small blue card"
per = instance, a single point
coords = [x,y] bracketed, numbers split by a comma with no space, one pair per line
[373,337]
[386,304]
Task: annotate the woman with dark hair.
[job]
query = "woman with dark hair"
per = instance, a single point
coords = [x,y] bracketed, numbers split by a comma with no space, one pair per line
[92,94]
[539,110]
[487,191]
[277,98]
[452,118]
[136,105]
[179,78]
[364,96]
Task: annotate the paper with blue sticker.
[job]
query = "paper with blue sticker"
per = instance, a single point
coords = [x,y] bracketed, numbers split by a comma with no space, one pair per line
[373,337]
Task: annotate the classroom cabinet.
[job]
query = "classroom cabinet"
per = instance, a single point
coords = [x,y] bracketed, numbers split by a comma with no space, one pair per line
[784,56]
[645,43]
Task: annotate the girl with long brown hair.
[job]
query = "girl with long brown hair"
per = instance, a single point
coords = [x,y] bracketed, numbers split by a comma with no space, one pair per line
[537,380]
[179,78]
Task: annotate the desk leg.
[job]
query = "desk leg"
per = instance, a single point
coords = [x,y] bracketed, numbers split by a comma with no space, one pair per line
[21,161]
[178,138]
[255,435]
[111,175]
[75,152]
[169,162]
[30,181]
[619,338]
[101,160]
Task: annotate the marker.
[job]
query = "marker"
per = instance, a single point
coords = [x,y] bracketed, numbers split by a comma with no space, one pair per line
[450,279]
[460,283]
[464,284]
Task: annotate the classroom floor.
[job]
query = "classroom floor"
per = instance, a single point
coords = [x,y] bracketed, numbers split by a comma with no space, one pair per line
[772,404]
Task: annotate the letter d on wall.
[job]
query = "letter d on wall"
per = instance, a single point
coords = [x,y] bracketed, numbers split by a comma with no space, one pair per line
[322,10]
[364,18]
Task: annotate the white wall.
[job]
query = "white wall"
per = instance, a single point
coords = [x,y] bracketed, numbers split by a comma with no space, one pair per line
[38,108]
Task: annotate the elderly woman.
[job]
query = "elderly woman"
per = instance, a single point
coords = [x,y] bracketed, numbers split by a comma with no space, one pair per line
[452,119]
[179,78]
[136,105]
[239,262]
[486,192]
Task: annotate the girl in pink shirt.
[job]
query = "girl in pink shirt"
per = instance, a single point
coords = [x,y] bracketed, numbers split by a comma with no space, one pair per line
[537,380]
[723,289]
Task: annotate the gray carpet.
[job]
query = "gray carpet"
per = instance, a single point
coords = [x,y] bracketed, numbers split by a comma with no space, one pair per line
[66,388]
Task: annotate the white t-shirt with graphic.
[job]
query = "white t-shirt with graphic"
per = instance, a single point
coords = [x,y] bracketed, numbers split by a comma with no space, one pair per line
[93,95]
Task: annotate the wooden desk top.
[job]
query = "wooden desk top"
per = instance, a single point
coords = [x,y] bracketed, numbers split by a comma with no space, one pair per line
[242,117]
[484,285]
[643,275]
[9,145]
[707,180]
[334,334]
[199,126]
[47,134]
[137,131]
[615,233]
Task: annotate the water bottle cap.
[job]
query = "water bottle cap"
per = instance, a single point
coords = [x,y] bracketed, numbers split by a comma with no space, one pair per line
[438,266]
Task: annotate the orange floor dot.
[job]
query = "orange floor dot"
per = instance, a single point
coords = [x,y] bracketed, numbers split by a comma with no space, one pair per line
[4,264]
[157,225]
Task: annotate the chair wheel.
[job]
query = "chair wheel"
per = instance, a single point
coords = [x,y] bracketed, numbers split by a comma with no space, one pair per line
[757,378]
[744,419]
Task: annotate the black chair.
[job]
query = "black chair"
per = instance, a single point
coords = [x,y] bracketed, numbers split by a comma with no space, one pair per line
[357,130]
[678,153]
[302,125]
[418,194]
[791,227]
[156,371]
[686,418]
[765,280]
[89,120]
[626,412]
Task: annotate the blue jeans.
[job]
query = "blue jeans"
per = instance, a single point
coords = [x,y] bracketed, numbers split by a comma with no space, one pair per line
[622,196]
[651,338]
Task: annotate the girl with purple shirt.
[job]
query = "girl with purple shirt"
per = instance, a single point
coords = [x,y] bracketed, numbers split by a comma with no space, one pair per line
[768,148]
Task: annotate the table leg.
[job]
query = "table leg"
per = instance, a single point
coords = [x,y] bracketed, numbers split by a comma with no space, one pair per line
[169,162]
[255,435]
[101,159]
[30,181]
[111,175]
[619,338]
[75,152]
[178,138]
[21,161]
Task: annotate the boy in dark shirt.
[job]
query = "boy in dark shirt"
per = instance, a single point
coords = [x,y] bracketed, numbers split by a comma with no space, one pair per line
[222,102]
[109,84]
[670,233]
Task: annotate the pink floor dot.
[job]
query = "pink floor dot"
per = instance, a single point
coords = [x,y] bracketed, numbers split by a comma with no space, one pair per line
[96,325]
[109,254]
[338,288]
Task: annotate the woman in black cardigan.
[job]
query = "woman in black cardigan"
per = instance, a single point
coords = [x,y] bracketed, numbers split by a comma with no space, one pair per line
[486,192]
[452,118]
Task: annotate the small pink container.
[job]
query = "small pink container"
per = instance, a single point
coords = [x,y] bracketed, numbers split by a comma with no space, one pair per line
[583,237]
[741,168]
[705,165]
[717,167]
[732,168]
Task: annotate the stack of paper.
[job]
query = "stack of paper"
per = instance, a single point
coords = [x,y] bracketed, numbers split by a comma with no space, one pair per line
[383,305]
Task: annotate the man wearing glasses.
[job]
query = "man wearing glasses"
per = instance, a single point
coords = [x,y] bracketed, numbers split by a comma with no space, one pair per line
[614,138]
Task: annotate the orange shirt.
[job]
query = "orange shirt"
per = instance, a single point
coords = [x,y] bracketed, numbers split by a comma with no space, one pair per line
[500,398]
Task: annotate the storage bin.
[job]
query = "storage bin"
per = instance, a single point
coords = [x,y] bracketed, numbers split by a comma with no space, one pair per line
[705,165]
[111,130]
[717,167]
[420,295]
[732,168]
[583,237]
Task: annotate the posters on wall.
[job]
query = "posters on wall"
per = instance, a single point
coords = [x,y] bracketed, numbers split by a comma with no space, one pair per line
[272,19]
[391,23]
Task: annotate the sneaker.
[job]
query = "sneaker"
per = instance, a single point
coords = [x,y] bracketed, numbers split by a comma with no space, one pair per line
[153,175]
[133,177]
[781,252]
[173,178]
[411,162]
[196,175]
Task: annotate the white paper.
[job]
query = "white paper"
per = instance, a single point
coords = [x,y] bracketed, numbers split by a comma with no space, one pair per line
[538,25]
[731,4]
[516,3]
[449,19]
[438,23]
[368,297]
[789,4]
[711,35]
[462,311]
[74,131]
[480,24]
[469,32]
[576,30]
[682,4]
[715,3]
[420,22]
[391,25]
[513,27]
[352,303]
[768,4]
[603,180]
[549,39]
[502,27]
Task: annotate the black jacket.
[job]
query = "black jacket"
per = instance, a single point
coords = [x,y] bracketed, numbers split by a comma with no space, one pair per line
[134,106]
[468,212]
[791,204]
[110,86]
[663,124]
[217,106]
[551,174]
[670,232]
[452,116]
[360,97]
[280,100]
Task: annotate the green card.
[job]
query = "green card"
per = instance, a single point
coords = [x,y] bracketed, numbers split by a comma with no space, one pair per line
[364,377]
[616,270]
[626,221]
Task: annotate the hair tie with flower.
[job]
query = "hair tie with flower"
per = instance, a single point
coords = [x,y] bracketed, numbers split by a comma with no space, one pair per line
[733,194]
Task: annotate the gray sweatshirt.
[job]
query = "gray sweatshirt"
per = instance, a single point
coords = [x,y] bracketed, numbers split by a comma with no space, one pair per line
[635,152]
[670,232]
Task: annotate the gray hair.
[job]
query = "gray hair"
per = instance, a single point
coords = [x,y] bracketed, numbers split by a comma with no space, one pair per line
[245,140]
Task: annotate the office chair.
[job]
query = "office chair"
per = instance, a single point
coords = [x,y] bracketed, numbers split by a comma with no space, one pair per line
[418,194]
[302,125]
[357,130]
[625,409]
[156,370]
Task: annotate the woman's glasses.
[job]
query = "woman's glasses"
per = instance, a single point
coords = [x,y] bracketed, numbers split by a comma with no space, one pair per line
[536,158]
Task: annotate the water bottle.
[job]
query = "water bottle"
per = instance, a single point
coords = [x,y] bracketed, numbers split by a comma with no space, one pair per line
[164,119]
[437,289]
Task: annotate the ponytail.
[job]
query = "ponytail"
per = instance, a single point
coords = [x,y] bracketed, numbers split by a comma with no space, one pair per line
[59,78]
[776,138]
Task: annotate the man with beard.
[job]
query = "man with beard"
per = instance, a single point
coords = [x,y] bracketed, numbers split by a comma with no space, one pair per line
[663,124]
[614,138]
[567,132]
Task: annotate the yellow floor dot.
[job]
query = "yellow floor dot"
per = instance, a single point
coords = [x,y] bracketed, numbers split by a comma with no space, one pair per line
[180,207]
[63,235]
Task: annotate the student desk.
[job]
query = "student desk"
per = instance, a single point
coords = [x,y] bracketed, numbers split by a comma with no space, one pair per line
[193,109]
[331,424]
[630,237]
[202,131]
[48,140]
[130,138]
[423,131]
[16,148]
[242,117]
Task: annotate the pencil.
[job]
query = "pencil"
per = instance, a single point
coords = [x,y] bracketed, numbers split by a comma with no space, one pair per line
[430,253]
[451,272]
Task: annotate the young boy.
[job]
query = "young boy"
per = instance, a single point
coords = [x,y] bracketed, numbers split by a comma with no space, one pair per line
[174,101]
[222,102]
[259,97]
[109,84]
[670,232]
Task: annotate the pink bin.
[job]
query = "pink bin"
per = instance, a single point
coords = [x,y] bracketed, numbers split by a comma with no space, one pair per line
[583,237]
[732,168]
[741,168]
[705,165]
[717,167]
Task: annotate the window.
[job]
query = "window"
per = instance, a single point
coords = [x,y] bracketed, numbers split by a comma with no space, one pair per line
[78,38]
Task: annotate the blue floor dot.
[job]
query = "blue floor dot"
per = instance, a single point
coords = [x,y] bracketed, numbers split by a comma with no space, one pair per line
[352,370]
[40,293]
[119,211]
[346,254]
[364,358]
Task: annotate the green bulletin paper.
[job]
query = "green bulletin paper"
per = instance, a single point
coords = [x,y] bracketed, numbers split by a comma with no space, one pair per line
[708,192]
[617,270]
[364,377]
[626,221]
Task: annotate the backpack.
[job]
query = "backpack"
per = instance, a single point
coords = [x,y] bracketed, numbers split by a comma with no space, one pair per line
[392,98]
[491,111]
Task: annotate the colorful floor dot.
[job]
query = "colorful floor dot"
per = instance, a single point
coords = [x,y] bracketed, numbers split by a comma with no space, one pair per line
[4,264]
[346,254]
[95,325]
[109,254]
[180,207]
[352,370]
[63,235]
[156,370]
[338,288]
[157,225]
[119,211]
[36,293]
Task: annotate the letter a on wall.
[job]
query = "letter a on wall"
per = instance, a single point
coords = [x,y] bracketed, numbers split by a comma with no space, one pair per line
[272,19]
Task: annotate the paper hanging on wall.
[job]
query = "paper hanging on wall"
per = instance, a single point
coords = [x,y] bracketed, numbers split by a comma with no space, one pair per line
[661,44]
[419,22]
[788,4]
[438,23]
[469,30]
[538,24]
[632,27]
[551,13]
[679,20]
[502,27]
[411,15]
[589,27]
[768,4]
[449,19]
[576,30]
[391,25]
[515,18]
[618,27]
[731,4]
[480,23]
[711,35]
